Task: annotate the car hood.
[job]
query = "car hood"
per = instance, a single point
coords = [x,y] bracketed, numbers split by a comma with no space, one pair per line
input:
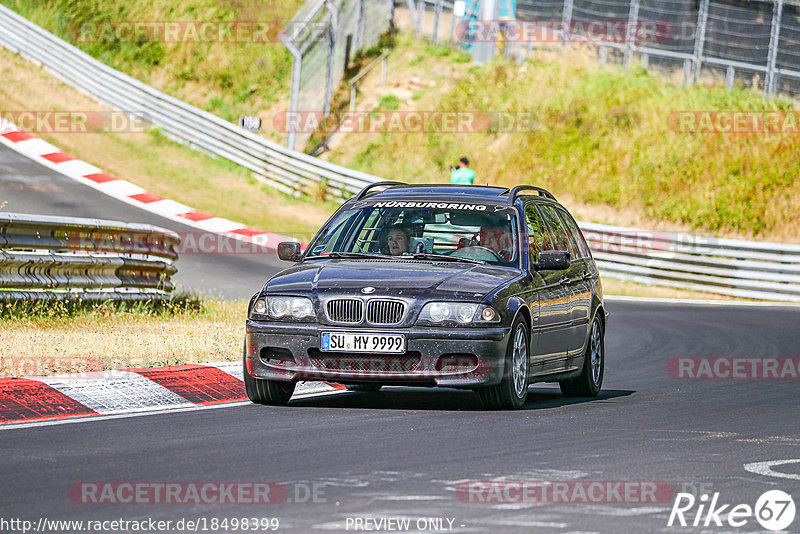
[397,278]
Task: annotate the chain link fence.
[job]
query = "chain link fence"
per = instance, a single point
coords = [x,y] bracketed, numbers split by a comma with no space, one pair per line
[753,44]
[323,36]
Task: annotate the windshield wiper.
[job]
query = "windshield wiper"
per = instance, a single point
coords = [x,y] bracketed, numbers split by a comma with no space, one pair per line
[417,256]
[345,255]
[445,257]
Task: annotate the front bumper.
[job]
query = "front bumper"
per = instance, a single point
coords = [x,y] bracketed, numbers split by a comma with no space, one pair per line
[451,357]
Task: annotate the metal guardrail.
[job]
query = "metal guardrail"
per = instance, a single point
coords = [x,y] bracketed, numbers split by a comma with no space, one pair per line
[757,270]
[383,60]
[43,257]
[287,170]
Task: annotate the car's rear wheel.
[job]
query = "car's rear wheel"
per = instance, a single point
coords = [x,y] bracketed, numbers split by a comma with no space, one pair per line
[363,387]
[512,391]
[589,382]
[263,391]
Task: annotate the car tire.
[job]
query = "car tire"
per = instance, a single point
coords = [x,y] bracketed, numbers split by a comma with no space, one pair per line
[589,382]
[364,387]
[512,391]
[262,391]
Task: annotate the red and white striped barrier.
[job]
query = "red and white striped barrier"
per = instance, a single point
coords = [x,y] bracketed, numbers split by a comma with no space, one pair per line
[31,399]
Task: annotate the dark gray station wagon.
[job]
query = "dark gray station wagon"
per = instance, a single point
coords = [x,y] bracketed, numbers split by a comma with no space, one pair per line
[470,287]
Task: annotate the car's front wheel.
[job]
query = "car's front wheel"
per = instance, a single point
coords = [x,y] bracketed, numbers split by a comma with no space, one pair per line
[589,382]
[263,391]
[512,391]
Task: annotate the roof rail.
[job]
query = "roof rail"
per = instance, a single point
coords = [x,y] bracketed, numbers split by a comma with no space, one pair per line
[361,194]
[512,196]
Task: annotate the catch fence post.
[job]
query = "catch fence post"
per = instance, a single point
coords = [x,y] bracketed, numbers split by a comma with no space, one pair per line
[700,38]
[774,43]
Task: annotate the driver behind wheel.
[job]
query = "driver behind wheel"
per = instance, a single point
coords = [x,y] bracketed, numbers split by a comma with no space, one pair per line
[497,239]
[397,240]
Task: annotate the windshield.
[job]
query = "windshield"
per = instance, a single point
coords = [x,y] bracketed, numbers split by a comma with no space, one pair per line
[449,231]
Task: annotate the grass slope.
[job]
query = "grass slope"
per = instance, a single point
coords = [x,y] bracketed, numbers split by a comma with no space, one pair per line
[228,79]
[112,337]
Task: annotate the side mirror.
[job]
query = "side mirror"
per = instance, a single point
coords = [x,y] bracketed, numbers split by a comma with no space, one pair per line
[552,260]
[289,251]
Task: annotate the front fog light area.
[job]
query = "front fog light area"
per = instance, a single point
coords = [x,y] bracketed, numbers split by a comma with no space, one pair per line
[280,307]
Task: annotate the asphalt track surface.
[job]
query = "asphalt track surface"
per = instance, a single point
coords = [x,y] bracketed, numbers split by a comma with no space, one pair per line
[29,187]
[401,453]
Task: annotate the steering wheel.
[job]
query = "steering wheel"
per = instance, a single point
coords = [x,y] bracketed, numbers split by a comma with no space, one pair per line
[477,252]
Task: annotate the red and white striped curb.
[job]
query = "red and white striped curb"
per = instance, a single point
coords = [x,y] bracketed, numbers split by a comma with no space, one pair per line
[52,157]
[31,399]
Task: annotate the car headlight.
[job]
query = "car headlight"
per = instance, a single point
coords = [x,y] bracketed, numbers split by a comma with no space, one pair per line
[284,307]
[458,312]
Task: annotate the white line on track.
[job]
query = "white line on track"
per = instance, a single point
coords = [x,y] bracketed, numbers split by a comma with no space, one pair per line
[765,468]
[95,418]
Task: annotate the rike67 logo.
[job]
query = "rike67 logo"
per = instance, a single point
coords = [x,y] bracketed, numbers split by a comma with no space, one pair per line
[774,510]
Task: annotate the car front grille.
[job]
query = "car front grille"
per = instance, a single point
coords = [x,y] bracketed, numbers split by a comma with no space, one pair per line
[346,310]
[379,311]
[385,311]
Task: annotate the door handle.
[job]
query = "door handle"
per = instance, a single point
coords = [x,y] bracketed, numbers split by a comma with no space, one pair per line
[564,281]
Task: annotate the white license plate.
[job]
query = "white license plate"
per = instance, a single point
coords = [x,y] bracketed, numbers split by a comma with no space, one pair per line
[362,342]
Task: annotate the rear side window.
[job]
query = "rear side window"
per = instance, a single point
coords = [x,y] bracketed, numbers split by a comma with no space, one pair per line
[575,234]
[538,238]
[557,230]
